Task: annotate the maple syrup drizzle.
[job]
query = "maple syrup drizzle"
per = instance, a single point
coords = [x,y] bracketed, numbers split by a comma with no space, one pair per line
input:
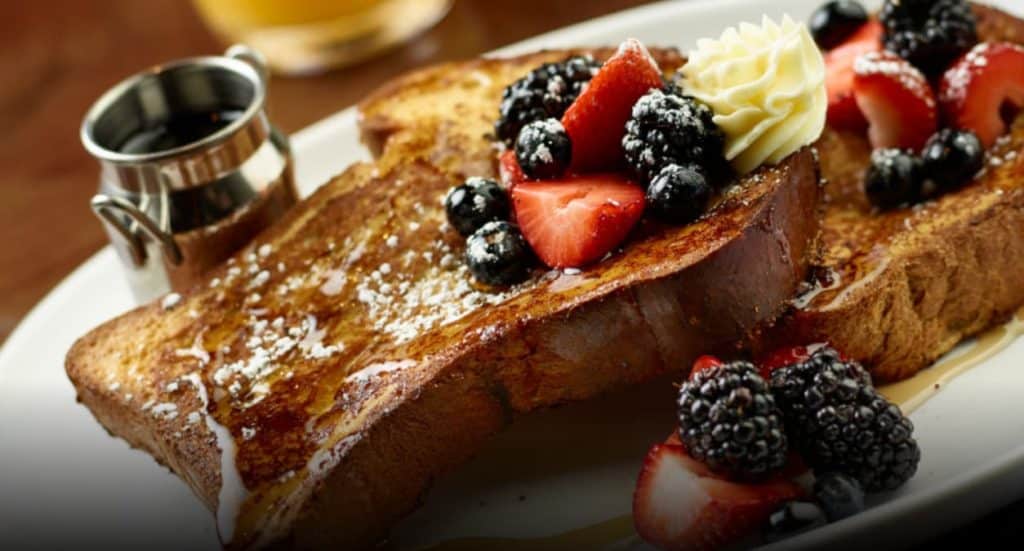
[618,533]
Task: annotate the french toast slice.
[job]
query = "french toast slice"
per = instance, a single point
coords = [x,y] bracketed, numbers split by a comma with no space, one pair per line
[311,389]
[898,289]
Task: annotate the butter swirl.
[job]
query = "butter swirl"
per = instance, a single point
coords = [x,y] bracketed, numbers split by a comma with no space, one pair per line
[766,86]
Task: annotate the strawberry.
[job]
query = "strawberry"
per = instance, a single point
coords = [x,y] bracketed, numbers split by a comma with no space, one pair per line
[982,87]
[680,504]
[596,121]
[896,99]
[509,170]
[781,358]
[577,220]
[704,362]
[842,107]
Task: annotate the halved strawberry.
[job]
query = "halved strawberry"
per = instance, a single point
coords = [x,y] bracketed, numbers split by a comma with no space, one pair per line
[704,362]
[984,87]
[509,170]
[680,504]
[896,99]
[842,107]
[596,121]
[577,220]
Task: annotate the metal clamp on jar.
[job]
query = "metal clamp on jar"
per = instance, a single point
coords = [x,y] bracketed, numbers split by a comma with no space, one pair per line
[191,168]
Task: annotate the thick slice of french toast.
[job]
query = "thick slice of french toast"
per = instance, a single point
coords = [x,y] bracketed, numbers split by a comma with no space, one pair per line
[311,389]
[898,289]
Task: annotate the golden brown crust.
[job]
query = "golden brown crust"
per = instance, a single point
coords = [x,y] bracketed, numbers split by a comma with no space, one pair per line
[334,444]
[904,287]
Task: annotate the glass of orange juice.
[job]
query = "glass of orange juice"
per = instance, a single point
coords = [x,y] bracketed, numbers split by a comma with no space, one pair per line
[309,36]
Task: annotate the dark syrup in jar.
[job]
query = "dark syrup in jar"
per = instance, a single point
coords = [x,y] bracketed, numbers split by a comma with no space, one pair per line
[182,129]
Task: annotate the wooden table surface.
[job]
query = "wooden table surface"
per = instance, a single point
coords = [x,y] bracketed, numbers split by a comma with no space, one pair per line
[57,57]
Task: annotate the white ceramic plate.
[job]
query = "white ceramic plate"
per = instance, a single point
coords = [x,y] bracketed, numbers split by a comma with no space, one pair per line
[63,480]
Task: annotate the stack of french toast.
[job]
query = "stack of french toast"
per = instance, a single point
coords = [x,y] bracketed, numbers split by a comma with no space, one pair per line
[313,387]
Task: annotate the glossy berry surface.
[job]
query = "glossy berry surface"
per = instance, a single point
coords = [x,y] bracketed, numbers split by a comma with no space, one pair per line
[728,420]
[929,33]
[833,22]
[894,178]
[839,495]
[793,518]
[667,128]
[497,254]
[984,89]
[545,92]
[543,149]
[838,422]
[678,194]
[475,203]
[952,157]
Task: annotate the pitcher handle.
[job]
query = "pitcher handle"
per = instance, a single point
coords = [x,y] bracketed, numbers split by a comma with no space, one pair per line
[105,207]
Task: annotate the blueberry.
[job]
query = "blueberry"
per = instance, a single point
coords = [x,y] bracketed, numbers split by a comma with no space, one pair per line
[475,203]
[678,194]
[835,21]
[839,495]
[894,178]
[543,149]
[952,158]
[498,254]
[793,518]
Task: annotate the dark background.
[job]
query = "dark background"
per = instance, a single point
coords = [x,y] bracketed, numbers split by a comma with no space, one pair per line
[58,56]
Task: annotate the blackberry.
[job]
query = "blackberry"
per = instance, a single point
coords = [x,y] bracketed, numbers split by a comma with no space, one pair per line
[930,34]
[543,149]
[678,194]
[952,158]
[728,420]
[475,203]
[669,128]
[545,92]
[840,423]
[894,178]
[498,254]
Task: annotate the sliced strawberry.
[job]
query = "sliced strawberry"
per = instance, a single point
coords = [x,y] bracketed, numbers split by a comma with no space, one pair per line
[896,99]
[704,362]
[680,504]
[577,220]
[509,170]
[596,121]
[842,107]
[984,87]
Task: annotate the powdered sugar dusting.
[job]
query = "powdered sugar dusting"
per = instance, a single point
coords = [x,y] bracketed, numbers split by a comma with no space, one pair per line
[887,64]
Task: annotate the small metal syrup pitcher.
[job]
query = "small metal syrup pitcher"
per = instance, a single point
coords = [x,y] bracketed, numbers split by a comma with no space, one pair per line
[191,168]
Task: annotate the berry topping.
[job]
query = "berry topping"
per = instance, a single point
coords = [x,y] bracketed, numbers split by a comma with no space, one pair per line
[678,194]
[497,254]
[842,107]
[928,33]
[839,495]
[896,99]
[475,203]
[546,92]
[982,89]
[680,504]
[793,518]
[666,128]
[508,169]
[834,22]
[728,419]
[840,423]
[702,363]
[576,221]
[783,357]
[894,178]
[952,158]
[596,120]
[543,149]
